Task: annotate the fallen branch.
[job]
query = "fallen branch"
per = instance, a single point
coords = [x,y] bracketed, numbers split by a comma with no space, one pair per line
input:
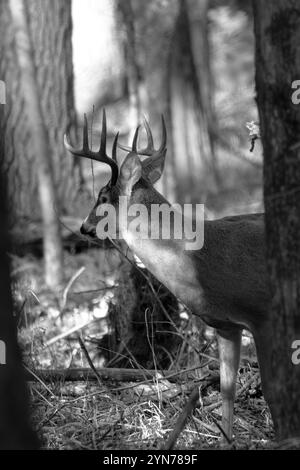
[120,375]
[69,285]
[187,411]
[72,330]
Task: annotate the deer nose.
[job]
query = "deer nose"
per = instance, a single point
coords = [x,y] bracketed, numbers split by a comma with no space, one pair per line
[88,229]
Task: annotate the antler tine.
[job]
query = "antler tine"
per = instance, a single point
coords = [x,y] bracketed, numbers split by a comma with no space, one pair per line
[85,142]
[114,148]
[135,138]
[149,150]
[161,152]
[102,150]
[164,136]
[157,155]
[99,156]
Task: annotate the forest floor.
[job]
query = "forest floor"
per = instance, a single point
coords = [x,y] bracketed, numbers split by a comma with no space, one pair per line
[110,414]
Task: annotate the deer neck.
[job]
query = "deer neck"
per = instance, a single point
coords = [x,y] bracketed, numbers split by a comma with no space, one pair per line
[166,259]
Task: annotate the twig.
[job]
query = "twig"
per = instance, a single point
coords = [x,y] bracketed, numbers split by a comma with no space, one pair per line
[69,332]
[34,295]
[68,287]
[229,441]
[236,153]
[31,374]
[186,412]
[213,406]
[180,423]
[247,384]
[18,315]
[218,403]
[112,426]
[91,291]
[88,358]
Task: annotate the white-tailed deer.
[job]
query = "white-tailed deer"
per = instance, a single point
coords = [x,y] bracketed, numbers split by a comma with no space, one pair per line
[224,282]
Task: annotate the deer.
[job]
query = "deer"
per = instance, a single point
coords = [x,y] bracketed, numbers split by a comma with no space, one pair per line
[224,283]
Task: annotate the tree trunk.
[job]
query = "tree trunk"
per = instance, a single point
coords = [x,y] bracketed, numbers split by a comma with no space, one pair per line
[190,113]
[50,26]
[277,30]
[169,50]
[143,323]
[40,144]
[50,23]
[152,30]
[132,68]
[15,430]
[197,13]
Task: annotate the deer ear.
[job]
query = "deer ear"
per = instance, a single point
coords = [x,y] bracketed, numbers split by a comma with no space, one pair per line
[130,172]
[153,168]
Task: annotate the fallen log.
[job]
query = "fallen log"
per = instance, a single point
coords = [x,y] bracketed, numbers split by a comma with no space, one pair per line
[119,375]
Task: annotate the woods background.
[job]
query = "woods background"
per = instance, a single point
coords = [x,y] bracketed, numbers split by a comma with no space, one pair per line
[192,61]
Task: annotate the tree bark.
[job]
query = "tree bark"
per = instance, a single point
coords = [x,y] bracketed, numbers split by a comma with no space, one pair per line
[277,31]
[153,27]
[41,146]
[191,108]
[197,13]
[50,27]
[15,430]
[127,19]
[170,59]
[143,323]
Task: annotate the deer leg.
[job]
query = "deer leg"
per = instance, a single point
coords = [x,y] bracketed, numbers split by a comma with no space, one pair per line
[229,342]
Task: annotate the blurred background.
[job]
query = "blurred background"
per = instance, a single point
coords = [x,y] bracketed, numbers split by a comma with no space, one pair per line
[190,60]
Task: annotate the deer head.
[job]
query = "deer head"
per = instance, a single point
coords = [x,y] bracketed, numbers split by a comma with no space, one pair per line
[134,178]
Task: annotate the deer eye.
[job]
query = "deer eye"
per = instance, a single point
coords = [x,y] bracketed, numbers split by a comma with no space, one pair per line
[103,199]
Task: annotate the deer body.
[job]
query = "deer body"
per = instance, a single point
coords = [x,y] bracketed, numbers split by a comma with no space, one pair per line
[224,282]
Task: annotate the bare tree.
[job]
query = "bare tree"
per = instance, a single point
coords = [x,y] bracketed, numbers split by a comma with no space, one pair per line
[49,24]
[40,143]
[133,73]
[170,58]
[15,430]
[277,30]
[148,28]
[197,12]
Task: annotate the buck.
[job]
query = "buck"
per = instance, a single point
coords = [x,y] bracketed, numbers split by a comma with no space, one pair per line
[224,282]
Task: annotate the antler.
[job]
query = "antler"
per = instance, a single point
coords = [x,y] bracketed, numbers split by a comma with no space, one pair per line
[149,150]
[99,156]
